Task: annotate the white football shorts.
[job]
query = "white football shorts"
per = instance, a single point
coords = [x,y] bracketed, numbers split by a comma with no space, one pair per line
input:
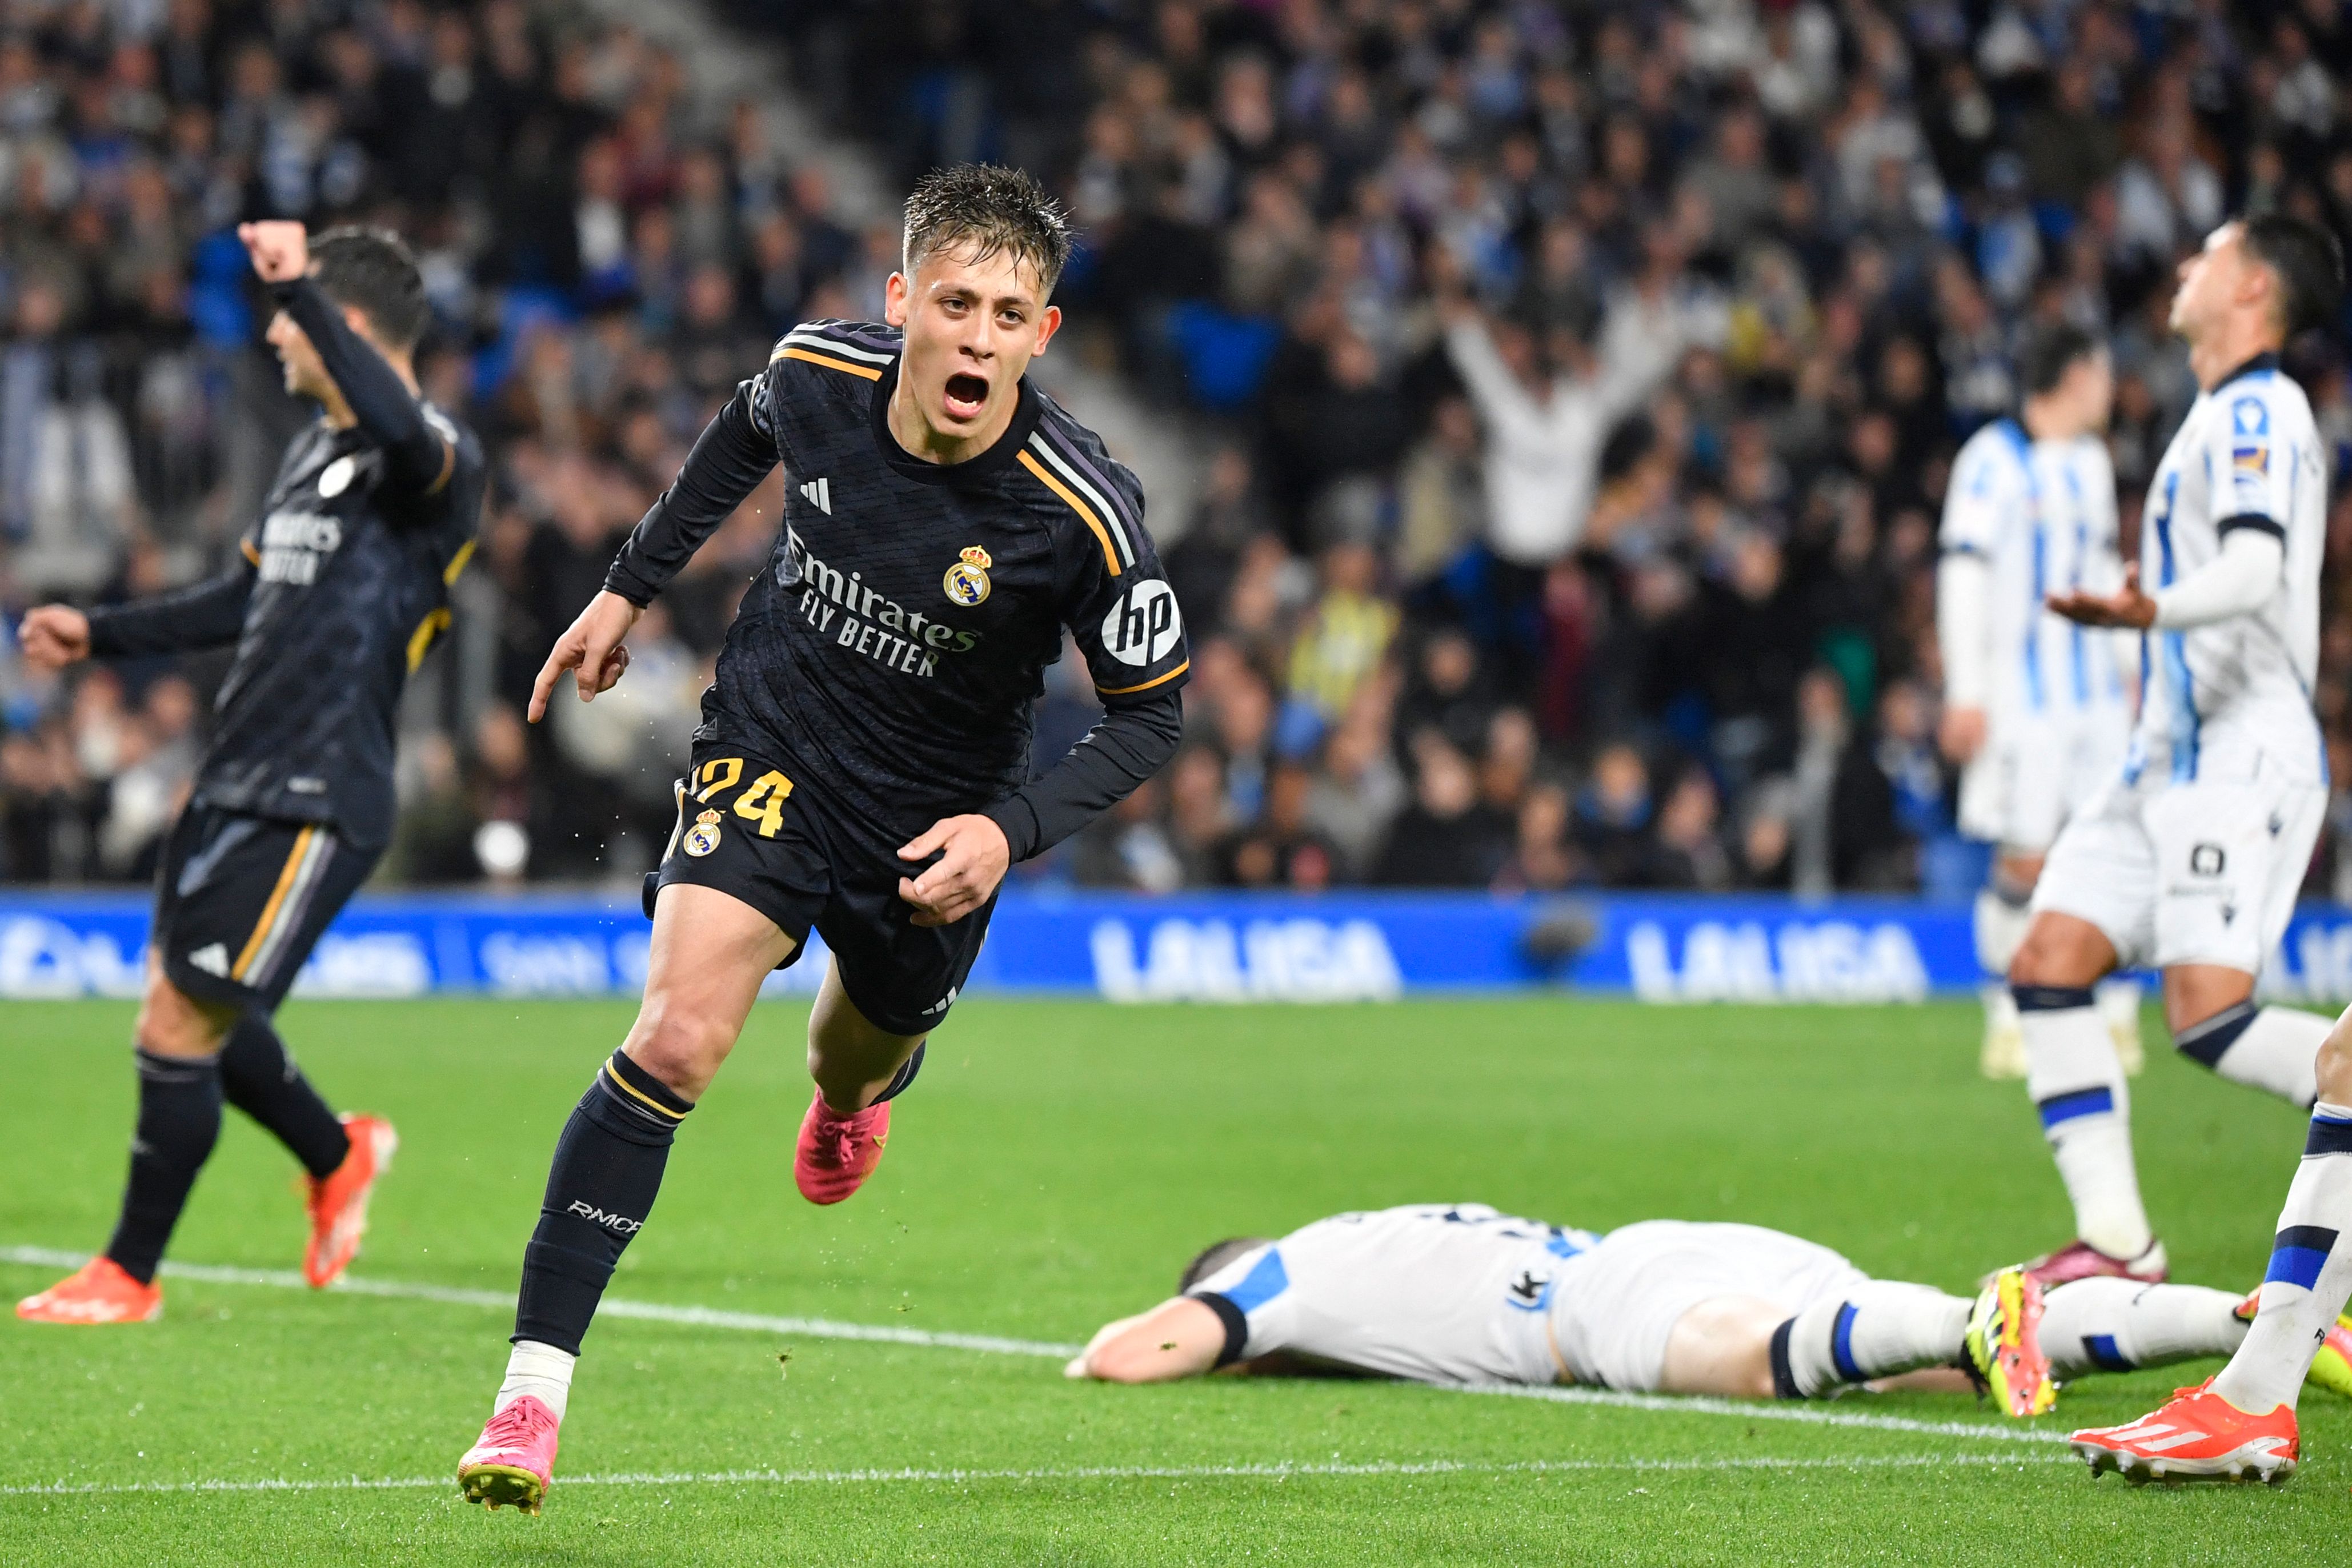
[1617,1302]
[2034,774]
[2203,872]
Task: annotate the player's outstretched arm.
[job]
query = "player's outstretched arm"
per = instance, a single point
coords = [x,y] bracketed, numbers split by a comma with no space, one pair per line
[732,455]
[1178,1338]
[417,458]
[206,615]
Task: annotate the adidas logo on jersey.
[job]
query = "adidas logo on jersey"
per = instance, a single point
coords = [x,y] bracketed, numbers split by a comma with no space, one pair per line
[818,493]
[212,960]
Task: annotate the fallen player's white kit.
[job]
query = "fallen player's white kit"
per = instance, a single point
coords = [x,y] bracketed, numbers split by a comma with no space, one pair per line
[2195,853]
[1460,1293]
[2040,515]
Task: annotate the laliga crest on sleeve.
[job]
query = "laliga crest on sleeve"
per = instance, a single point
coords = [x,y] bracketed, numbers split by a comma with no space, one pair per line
[703,837]
[967,581]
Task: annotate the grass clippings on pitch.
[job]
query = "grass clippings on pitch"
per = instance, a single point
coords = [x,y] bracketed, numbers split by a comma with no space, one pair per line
[1055,1167]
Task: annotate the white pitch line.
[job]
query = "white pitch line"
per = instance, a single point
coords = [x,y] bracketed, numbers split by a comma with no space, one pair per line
[1076,1473]
[655,1312]
[1708,1405]
[993,1345]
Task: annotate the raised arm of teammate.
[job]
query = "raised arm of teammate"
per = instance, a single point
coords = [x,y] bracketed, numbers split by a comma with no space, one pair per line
[732,455]
[418,457]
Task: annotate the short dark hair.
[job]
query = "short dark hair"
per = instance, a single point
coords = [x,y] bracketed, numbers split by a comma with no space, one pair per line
[2050,351]
[2307,262]
[373,272]
[1213,1257]
[992,209]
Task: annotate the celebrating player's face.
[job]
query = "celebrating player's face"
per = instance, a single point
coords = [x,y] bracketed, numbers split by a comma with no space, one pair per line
[972,325]
[2208,278]
[305,375]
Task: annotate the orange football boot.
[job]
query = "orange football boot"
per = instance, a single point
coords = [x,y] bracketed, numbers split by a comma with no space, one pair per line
[2199,1436]
[97,1293]
[339,1200]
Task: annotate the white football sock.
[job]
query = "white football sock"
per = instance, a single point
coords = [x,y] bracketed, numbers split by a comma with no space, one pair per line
[2276,1049]
[1878,1329]
[2115,1325]
[2310,1276]
[541,1371]
[2077,1085]
[2001,924]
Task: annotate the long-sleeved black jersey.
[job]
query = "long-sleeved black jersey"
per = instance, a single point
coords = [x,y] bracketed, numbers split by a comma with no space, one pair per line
[894,644]
[337,593]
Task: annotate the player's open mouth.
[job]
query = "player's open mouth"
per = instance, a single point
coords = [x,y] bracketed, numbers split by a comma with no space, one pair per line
[966,394]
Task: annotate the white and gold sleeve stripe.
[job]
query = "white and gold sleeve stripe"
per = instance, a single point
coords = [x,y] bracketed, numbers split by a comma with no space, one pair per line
[1101,504]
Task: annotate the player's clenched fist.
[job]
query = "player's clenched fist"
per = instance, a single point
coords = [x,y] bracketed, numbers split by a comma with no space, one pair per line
[54,636]
[280,250]
[592,647]
[974,856]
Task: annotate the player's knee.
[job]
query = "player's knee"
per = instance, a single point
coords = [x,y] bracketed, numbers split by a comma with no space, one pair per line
[172,1023]
[2334,1062]
[680,1046]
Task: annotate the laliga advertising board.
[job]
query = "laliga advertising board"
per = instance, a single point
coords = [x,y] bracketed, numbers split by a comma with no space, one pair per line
[1349,946]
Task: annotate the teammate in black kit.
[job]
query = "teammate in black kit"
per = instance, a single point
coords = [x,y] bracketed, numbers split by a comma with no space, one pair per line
[335,598]
[862,760]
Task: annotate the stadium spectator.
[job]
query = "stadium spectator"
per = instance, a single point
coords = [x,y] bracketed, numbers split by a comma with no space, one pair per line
[1596,366]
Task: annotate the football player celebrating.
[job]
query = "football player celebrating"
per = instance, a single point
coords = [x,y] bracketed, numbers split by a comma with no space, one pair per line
[2035,707]
[2192,858]
[863,763]
[336,598]
[1461,1294]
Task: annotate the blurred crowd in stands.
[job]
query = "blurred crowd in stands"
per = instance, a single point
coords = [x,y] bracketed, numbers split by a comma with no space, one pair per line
[1576,385]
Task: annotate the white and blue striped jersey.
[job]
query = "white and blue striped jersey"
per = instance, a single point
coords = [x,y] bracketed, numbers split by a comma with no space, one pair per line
[1438,1292]
[2042,515]
[2228,698]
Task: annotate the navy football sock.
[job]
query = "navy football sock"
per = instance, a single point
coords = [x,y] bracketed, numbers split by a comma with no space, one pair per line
[902,1080]
[607,1171]
[260,1079]
[179,1118]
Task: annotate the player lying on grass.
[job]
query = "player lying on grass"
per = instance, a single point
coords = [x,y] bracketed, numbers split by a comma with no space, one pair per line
[340,590]
[2192,858]
[862,764]
[1463,1294]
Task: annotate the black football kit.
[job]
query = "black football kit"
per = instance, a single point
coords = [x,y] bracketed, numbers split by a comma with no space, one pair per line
[880,673]
[336,597]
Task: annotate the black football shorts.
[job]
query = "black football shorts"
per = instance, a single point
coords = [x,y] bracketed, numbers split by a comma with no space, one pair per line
[777,844]
[240,900]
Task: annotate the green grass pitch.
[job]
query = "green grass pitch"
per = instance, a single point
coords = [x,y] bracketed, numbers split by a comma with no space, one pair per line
[1055,1167]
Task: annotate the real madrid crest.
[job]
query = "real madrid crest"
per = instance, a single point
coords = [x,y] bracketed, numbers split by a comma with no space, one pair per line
[336,476]
[703,837]
[967,581]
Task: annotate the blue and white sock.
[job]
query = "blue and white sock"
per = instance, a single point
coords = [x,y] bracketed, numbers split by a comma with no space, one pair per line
[2077,1085]
[1878,1329]
[2116,1325]
[2310,1276]
[2275,1049]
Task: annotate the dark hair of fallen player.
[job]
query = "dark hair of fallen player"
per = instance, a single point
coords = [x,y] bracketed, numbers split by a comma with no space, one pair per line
[1213,1257]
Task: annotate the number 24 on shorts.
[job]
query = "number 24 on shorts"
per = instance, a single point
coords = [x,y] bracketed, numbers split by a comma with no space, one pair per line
[762,803]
